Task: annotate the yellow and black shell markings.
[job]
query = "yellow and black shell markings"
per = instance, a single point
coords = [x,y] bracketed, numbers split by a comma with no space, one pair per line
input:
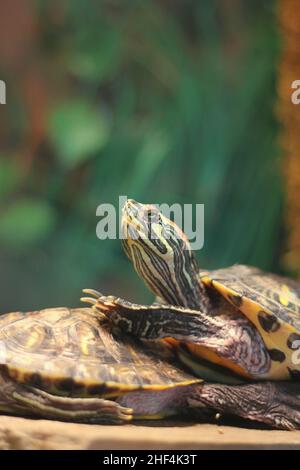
[272,304]
[73,352]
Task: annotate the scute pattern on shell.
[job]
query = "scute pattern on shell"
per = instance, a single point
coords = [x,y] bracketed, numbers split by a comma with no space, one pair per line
[277,294]
[74,352]
[272,304]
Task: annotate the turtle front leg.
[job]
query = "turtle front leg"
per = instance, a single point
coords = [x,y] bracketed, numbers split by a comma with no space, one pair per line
[156,321]
[16,398]
[230,335]
[276,404]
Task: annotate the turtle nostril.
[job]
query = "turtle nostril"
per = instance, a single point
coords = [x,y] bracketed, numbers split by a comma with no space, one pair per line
[130,202]
[131,207]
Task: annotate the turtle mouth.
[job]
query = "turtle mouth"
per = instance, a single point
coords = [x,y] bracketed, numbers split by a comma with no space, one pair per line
[130,217]
[131,208]
[136,211]
[138,220]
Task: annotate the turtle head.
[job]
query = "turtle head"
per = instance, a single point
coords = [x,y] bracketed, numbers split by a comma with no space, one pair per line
[161,255]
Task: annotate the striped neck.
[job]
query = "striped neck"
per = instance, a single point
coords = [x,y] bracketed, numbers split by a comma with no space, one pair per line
[162,257]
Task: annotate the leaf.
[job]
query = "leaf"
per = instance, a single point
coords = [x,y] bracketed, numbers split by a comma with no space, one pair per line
[26,222]
[77,131]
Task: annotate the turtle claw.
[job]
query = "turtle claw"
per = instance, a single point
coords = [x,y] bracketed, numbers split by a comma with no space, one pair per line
[99,302]
[105,303]
[126,413]
[96,297]
[89,300]
[92,292]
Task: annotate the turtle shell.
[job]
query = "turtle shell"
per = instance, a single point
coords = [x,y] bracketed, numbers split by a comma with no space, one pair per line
[272,304]
[73,352]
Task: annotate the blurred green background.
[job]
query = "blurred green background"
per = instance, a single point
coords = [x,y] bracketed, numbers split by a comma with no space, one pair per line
[160,100]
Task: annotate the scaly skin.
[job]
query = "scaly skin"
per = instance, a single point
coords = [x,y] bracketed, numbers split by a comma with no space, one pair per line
[274,403]
[16,398]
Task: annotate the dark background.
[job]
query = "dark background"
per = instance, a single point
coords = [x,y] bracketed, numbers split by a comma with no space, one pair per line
[160,100]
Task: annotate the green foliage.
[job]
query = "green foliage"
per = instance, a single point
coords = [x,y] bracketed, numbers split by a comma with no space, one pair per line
[157,100]
[25,223]
[77,131]
[9,177]
[96,54]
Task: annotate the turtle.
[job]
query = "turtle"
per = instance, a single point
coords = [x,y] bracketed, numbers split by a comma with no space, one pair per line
[73,365]
[101,365]
[240,318]
[68,364]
